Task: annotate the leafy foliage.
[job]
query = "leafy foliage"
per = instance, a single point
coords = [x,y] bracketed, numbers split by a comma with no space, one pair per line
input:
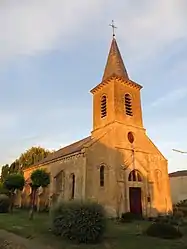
[4,203]
[172,219]
[4,172]
[14,167]
[181,207]
[129,217]
[83,222]
[3,190]
[40,178]
[32,156]
[164,231]
[14,181]
[26,159]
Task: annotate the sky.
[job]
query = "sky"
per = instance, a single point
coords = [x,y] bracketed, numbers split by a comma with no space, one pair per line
[53,52]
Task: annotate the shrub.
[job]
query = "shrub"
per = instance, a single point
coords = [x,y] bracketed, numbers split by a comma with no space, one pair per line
[162,219]
[178,213]
[3,190]
[4,203]
[182,207]
[82,222]
[164,231]
[129,217]
[173,219]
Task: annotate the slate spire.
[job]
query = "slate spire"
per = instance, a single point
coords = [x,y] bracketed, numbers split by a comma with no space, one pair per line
[114,65]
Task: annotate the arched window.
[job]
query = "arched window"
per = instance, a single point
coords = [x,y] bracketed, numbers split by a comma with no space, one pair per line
[72,178]
[102,176]
[135,176]
[59,182]
[128,105]
[103,106]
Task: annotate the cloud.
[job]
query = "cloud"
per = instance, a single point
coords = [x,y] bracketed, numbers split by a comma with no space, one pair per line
[33,26]
[170,98]
[30,27]
[150,28]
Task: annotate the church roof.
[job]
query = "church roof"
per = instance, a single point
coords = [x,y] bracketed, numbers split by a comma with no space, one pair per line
[65,151]
[178,173]
[115,65]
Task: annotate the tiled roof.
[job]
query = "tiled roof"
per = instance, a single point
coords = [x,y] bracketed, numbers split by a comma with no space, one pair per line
[72,148]
[178,173]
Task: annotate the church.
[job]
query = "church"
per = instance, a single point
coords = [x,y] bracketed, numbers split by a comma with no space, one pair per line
[117,165]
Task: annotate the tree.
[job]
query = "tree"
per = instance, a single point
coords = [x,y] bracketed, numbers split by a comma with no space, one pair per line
[39,178]
[14,167]
[4,172]
[26,159]
[32,156]
[14,181]
[3,190]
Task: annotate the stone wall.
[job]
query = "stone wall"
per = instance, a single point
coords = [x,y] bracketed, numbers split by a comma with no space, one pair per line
[178,188]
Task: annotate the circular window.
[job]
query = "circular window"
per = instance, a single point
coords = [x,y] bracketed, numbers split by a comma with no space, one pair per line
[130,137]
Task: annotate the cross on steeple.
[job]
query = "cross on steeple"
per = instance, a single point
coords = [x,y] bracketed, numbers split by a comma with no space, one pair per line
[113,28]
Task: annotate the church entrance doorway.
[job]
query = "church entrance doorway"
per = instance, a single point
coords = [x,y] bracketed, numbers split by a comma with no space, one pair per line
[135,197]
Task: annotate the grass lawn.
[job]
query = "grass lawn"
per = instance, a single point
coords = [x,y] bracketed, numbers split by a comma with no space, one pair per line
[118,236]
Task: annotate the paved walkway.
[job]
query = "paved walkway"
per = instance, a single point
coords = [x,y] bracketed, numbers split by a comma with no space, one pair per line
[12,241]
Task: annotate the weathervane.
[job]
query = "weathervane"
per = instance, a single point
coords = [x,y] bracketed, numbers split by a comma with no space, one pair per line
[113,28]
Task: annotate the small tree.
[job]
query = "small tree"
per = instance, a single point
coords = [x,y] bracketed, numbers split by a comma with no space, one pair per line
[3,190]
[5,171]
[13,182]
[39,178]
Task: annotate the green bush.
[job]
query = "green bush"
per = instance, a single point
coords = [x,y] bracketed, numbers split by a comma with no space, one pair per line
[181,207]
[4,203]
[178,213]
[83,222]
[129,217]
[172,219]
[164,231]
[3,190]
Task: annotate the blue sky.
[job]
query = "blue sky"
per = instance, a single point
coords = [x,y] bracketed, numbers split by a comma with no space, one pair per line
[53,52]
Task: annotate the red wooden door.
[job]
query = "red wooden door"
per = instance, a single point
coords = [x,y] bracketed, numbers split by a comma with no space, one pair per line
[135,200]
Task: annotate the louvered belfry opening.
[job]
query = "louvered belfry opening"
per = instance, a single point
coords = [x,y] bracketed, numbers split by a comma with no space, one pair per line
[102,176]
[128,105]
[103,106]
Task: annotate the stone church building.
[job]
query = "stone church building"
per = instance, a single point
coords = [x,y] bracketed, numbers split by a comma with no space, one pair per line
[117,165]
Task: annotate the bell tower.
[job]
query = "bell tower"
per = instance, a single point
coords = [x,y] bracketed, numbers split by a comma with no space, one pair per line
[116,98]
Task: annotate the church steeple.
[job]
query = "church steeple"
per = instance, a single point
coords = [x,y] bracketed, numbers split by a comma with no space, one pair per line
[117,98]
[115,65]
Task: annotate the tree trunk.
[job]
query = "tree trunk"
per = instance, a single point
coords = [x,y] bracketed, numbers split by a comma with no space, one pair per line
[11,201]
[33,197]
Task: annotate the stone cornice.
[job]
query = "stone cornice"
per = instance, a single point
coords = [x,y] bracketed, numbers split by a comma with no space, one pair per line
[117,78]
[130,125]
[61,159]
[71,156]
[121,123]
